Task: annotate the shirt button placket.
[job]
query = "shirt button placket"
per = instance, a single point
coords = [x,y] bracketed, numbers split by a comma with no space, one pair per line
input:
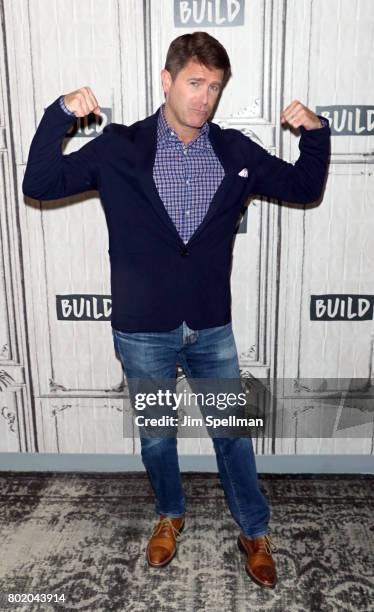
[185,202]
[187,206]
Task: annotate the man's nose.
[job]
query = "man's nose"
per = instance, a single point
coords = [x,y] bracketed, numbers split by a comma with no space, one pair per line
[204,96]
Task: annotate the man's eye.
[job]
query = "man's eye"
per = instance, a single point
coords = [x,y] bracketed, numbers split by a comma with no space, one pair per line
[215,87]
[194,83]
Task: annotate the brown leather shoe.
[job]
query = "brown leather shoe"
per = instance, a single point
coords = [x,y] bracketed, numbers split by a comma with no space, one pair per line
[162,545]
[260,564]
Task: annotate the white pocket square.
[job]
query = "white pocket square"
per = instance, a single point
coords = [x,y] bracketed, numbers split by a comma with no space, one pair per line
[243,172]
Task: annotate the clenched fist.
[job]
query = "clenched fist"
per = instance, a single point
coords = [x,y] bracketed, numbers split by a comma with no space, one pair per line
[82,102]
[296,114]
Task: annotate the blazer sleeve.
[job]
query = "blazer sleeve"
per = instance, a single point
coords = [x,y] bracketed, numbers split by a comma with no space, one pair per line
[49,174]
[301,182]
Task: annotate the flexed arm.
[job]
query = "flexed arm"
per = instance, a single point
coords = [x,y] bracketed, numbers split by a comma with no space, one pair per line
[49,174]
[303,181]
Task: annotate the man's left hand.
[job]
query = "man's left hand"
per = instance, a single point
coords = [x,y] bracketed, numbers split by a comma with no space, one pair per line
[296,114]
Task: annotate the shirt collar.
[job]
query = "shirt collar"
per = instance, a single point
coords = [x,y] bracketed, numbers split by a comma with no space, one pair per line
[165,133]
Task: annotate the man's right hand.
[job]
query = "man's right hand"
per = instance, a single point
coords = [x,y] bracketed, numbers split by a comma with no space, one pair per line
[82,102]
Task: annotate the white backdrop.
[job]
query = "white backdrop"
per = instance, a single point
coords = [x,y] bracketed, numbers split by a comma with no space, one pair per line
[61,384]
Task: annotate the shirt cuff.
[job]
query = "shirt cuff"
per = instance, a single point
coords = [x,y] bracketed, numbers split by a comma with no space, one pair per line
[324,122]
[64,107]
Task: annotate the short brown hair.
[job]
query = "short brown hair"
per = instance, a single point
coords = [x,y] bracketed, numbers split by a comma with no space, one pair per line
[199,46]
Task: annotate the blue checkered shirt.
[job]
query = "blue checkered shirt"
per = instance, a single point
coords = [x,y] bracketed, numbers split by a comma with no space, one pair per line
[186,176]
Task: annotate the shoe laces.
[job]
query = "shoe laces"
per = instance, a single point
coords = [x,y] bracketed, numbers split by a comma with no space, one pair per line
[267,545]
[164,526]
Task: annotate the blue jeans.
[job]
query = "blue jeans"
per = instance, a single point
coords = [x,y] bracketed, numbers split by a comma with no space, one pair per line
[208,353]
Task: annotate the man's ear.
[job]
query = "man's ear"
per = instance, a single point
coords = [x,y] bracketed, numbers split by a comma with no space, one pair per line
[166,80]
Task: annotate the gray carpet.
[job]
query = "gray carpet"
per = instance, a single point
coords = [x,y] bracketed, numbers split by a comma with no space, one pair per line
[84,535]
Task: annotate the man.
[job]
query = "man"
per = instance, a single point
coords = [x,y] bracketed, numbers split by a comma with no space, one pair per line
[173,186]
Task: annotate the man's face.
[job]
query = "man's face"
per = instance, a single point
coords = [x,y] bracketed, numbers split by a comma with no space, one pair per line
[193,95]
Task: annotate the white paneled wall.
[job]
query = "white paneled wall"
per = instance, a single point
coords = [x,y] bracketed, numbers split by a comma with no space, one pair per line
[60,383]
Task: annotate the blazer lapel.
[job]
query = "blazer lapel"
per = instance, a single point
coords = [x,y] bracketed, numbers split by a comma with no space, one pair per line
[231,161]
[146,142]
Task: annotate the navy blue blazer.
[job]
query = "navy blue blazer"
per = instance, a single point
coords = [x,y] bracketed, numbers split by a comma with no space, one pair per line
[157,281]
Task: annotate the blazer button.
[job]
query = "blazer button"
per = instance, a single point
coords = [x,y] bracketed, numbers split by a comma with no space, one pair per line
[184,253]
